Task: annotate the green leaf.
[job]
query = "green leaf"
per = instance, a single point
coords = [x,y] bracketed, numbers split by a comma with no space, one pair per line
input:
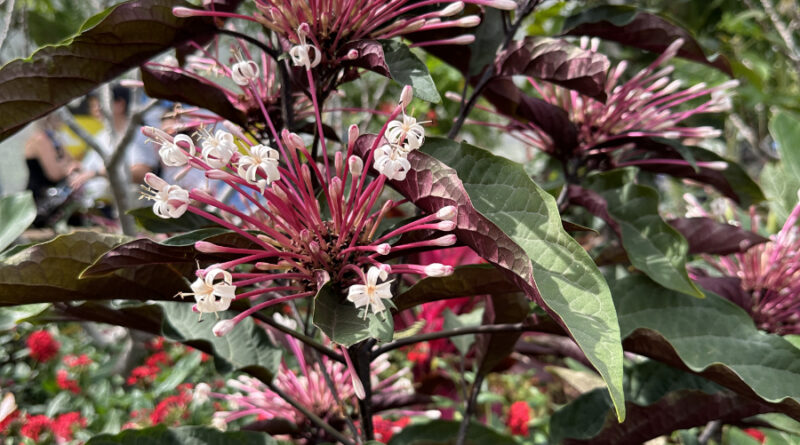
[712,337]
[344,324]
[246,348]
[452,321]
[466,281]
[488,37]
[49,272]
[179,372]
[407,69]
[184,435]
[444,432]
[17,213]
[782,181]
[13,315]
[653,246]
[660,400]
[186,223]
[108,44]
[507,219]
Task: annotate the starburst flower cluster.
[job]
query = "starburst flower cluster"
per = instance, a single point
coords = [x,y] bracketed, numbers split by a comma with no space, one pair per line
[297,242]
[769,274]
[318,30]
[308,386]
[649,104]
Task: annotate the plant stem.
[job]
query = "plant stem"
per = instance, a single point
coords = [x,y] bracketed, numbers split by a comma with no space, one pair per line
[362,359]
[329,381]
[489,71]
[470,408]
[485,329]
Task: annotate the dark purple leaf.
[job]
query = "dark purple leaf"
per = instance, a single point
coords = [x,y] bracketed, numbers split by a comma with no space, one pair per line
[494,348]
[629,26]
[466,281]
[728,287]
[708,236]
[181,88]
[558,62]
[511,101]
[107,45]
[594,203]
[370,56]
[49,272]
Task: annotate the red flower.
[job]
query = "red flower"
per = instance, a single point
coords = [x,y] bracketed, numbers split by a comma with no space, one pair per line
[66,383]
[518,417]
[65,425]
[156,344]
[74,361]
[756,434]
[42,346]
[142,374]
[171,409]
[34,426]
[385,429]
[159,358]
[420,353]
[6,423]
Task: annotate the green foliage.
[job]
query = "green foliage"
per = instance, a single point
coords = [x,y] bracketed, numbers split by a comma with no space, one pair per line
[161,435]
[17,212]
[407,69]
[344,324]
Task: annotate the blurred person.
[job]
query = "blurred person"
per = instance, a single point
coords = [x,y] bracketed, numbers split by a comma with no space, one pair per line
[142,158]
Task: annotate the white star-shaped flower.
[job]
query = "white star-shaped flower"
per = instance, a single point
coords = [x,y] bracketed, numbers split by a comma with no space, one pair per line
[210,296]
[371,294]
[301,53]
[172,154]
[390,160]
[169,201]
[218,149]
[244,72]
[408,130]
[262,158]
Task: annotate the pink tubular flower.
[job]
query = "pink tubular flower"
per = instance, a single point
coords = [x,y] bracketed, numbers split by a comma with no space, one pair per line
[769,274]
[649,104]
[42,345]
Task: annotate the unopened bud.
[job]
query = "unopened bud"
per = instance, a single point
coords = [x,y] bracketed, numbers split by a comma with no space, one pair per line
[223,327]
[335,188]
[452,9]
[469,21]
[714,165]
[406,95]
[338,161]
[184,12]
[356,165]
[385,271]
[352,54]
[217,174]
[438,270]
[447,213]
[383,249]
[444,241]
[352,133]
[446,226]
[219,423]
[201,392]
[206,247]
[505,5]
[313,246]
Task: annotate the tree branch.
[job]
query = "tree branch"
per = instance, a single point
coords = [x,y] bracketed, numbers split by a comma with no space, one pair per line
[484,329]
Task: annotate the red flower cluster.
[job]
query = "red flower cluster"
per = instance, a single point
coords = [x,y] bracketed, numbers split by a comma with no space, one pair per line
[74,361]
[173,408]
[65,425]
[518,417]
[64,382]
[385,428]
[6,423]
[42,345]
[34,426]
[148,372]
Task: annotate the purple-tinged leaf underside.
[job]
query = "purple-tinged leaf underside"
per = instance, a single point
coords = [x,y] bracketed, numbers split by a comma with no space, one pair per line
[630,26]
[705,235]
[49,272]
[500,210]
[107,45]
[558,62]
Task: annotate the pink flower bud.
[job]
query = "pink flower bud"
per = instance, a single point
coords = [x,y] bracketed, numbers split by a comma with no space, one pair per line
[406,95]
[506,5]
[352,54]
[186,12]
[448,213]
[452,9]
[438,270]
[223,327]
[444,241]
[446,226]
[469,21]
[383,249]
[356,165]
[206,247]
[352,133]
